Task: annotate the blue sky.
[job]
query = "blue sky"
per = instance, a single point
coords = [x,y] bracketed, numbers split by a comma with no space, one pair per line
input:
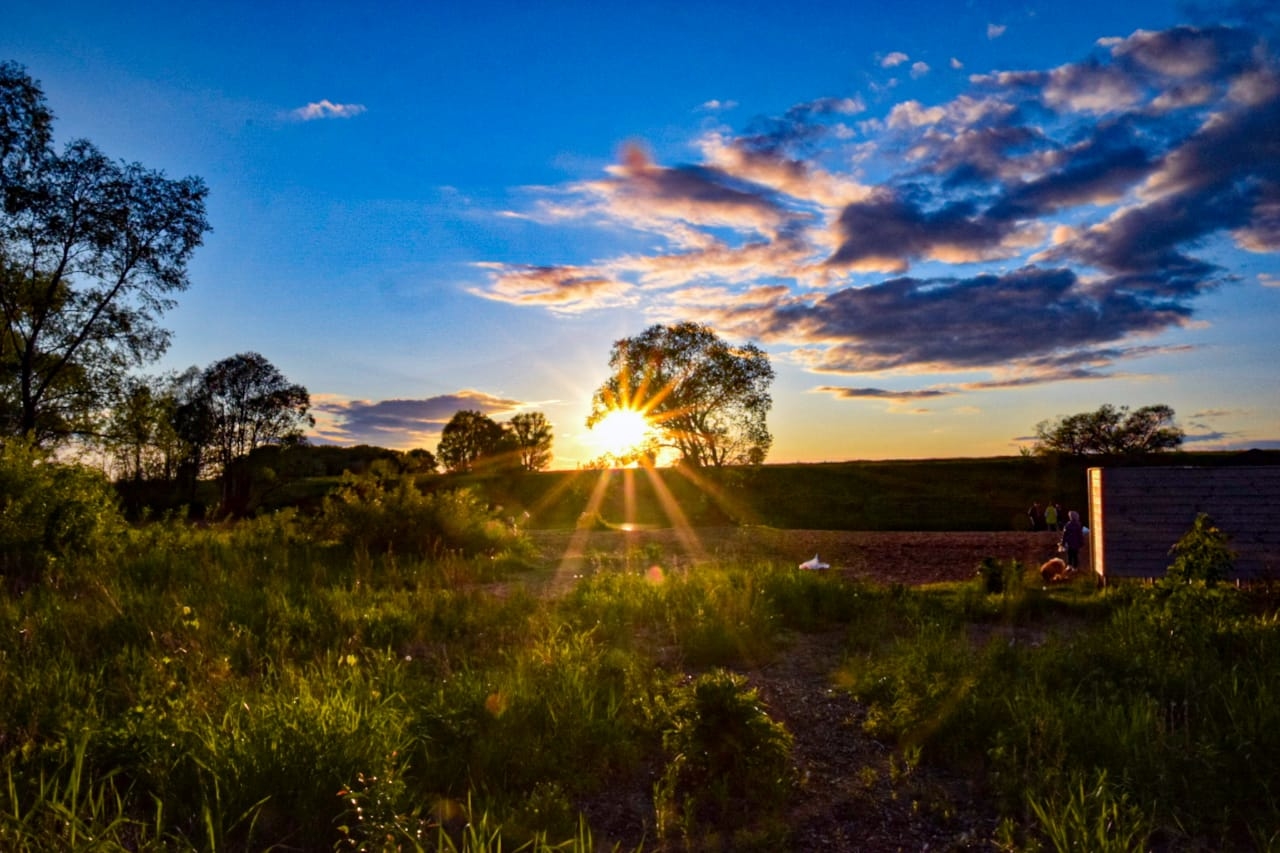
[945,222]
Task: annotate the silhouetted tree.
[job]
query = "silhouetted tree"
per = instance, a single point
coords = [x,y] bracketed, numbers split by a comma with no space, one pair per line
[1110,430]
[531,434]
[707,400]
[244,402]
[469,436]
[419,460]
[91,251]
[140,435]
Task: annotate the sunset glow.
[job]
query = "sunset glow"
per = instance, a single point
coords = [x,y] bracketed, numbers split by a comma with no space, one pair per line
[621,432]
[944,223]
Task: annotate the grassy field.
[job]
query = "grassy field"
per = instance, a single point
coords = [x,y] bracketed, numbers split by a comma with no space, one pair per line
[933,494]
[380,677]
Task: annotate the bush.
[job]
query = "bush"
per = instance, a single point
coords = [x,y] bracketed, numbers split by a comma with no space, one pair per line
[1202,554]
[727,760]
[51,513]
[390,514]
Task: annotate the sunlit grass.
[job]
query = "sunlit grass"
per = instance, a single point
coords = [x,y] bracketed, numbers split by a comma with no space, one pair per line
[257,685]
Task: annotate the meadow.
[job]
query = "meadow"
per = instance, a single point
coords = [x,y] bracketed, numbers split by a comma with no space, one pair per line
[389,673]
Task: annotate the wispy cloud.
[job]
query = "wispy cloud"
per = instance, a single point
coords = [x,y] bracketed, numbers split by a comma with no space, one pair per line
[566,289]
[994,31]
[1039,227]
[326,109]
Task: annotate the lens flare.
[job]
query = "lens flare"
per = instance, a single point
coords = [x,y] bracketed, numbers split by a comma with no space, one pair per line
[621,432]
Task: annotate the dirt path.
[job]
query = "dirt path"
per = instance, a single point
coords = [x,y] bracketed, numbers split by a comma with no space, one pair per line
[855,793]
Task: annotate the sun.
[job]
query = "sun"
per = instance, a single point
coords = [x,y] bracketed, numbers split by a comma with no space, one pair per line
[621,432]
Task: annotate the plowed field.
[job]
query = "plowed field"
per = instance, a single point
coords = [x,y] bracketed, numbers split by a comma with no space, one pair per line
[882,557]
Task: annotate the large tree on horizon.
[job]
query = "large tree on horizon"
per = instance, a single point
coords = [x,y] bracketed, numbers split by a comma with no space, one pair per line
[706,399]
[1110,430]
[468,437]
[91,252]
[244,402]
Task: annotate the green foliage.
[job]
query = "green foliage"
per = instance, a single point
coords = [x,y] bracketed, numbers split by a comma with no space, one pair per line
[1202,554]
[467,438]
[91,251]
[1161,689]
[251,685]
[380,514]
[1000,578]
[1093,817]
[51,514]
[709,401]
[727,759]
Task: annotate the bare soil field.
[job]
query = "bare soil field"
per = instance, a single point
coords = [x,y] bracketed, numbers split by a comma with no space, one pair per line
[881,557]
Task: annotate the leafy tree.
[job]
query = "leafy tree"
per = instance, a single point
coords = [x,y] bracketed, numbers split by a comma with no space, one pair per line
[1110,430]
[241,403]
[707,400]
[139,436]
[91,251]
[530,432]
[419,460]
[469,436]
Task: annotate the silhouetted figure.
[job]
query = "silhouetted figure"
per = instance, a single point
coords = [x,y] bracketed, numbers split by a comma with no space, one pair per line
[1073,540]
[1036,514]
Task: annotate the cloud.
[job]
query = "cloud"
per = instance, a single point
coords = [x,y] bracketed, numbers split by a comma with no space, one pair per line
[1041,320]
[919,69]
[956,64]
[1040,226]
[326,109]
[402,424]
[994,31]
[564,289]
[845,393]
[716,105]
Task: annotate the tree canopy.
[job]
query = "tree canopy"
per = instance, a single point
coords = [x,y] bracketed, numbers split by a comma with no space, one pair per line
[472,440]
[1110,430]
[91,251]
[531,435]
[467,437]
[241,403]
[707,401]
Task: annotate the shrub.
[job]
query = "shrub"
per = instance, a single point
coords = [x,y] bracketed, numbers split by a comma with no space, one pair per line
[51,512]
[727,760]
[1202,554]
[390,514]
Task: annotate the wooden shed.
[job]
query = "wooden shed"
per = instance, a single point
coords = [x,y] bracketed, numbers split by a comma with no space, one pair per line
[1138,514]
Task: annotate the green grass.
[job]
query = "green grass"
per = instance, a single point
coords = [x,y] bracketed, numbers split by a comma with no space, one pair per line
[267,684]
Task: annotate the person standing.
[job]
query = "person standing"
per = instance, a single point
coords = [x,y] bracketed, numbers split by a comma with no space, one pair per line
[1073,540]
[1051,516]
[1036,514]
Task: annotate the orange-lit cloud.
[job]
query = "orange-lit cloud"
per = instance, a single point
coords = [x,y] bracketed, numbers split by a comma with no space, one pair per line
[1039,227]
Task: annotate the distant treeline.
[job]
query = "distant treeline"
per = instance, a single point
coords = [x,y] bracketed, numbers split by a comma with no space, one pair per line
[935,494]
